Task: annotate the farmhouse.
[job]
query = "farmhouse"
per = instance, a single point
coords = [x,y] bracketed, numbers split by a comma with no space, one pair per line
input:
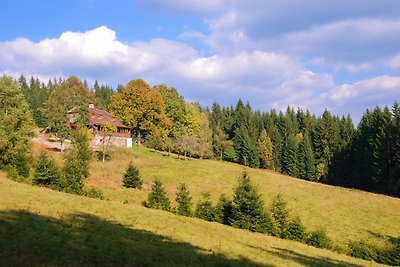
[97,118]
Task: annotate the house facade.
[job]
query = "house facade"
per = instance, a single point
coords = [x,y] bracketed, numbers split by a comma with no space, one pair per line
[97,119]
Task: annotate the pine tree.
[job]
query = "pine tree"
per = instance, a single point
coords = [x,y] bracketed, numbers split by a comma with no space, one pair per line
[245,148]
[184,201]
[131,178]
[46,172]
[289,157]
[296,230]
[248,208]
[280,215]
[205,209]
[223,210]
[157,199]
[306,161]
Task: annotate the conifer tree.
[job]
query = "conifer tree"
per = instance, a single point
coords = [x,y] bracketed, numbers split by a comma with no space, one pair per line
[296,230]
[132,178]
[205,209]
[157,199]
[248,208]
[223,210]
[289,157]
[184,201]
[280,215]
[245,148]
[77,159]
[306,161]
[46,172]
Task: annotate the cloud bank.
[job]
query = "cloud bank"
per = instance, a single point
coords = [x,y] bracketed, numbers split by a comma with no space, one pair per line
[251,52]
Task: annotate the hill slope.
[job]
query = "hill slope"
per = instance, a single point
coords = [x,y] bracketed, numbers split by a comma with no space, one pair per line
[346,214]
[41,227]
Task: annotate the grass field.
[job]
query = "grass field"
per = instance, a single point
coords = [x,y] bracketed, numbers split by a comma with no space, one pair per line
[41,227]
[346,214]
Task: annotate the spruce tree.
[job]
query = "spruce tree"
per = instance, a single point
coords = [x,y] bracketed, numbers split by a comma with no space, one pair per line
[289,156]
[223,210]
[280,215]
[46,172]
[306,161]
[157,199]
[184,201]
[248,208]
[132,178]
[205,209]
[296,230]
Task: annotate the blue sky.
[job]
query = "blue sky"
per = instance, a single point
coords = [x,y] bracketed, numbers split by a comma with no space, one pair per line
[313,54]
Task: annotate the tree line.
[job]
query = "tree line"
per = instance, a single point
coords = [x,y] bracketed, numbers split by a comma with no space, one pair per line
[326,148]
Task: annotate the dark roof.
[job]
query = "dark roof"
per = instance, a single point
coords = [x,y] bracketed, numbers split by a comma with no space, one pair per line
[99,117]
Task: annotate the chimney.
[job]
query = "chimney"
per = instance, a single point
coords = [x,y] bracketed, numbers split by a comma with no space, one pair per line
[91,106]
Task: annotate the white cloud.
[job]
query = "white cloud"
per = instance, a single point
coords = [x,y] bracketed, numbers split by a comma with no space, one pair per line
[375,91]
[395,62]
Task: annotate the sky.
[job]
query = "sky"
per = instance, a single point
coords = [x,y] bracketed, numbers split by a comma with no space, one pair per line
[341,55]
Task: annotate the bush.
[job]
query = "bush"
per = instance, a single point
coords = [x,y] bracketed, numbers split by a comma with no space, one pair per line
[184,201]
[107,156]
[131,177]
[319,239]
[157,199]
[205,209]
[230,154]
[46,172]
[362,250]
[93,193]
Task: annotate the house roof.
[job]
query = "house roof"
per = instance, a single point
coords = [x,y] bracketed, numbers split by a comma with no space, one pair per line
[99,117]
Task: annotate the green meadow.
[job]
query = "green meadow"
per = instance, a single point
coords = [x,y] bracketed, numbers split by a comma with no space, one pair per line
[41,227]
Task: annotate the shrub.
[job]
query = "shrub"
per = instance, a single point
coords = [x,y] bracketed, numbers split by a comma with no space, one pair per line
[157,199]
[205,209]
[230,154]
[132,178]
[319,239]
[184,201]
[93,193]
[46,172]
[362,250]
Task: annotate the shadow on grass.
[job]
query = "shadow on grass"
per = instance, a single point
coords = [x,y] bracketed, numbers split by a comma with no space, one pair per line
[306,260]
[28,239]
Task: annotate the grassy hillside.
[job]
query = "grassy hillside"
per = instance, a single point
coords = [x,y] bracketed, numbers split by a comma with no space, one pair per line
[345,214]
[41,227]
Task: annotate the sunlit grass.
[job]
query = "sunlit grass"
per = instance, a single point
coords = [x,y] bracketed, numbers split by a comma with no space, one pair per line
[41,227]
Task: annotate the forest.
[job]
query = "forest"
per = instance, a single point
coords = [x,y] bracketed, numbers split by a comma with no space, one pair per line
[326,149]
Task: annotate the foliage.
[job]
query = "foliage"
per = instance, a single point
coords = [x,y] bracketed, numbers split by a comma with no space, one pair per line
[265,150]
[205,209]
[245,148]
[93,193]
[107,131]
[306,161]
[16,128]
[157,199]
[296,230]
[77,159]
[248,208]
[46,172]
[131,178]
[184,201]
[319,239]
[223,210]
[280,215]
[230,154]
[140,108]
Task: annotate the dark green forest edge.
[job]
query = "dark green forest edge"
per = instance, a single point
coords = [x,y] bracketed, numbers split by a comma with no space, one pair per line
[325,149]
